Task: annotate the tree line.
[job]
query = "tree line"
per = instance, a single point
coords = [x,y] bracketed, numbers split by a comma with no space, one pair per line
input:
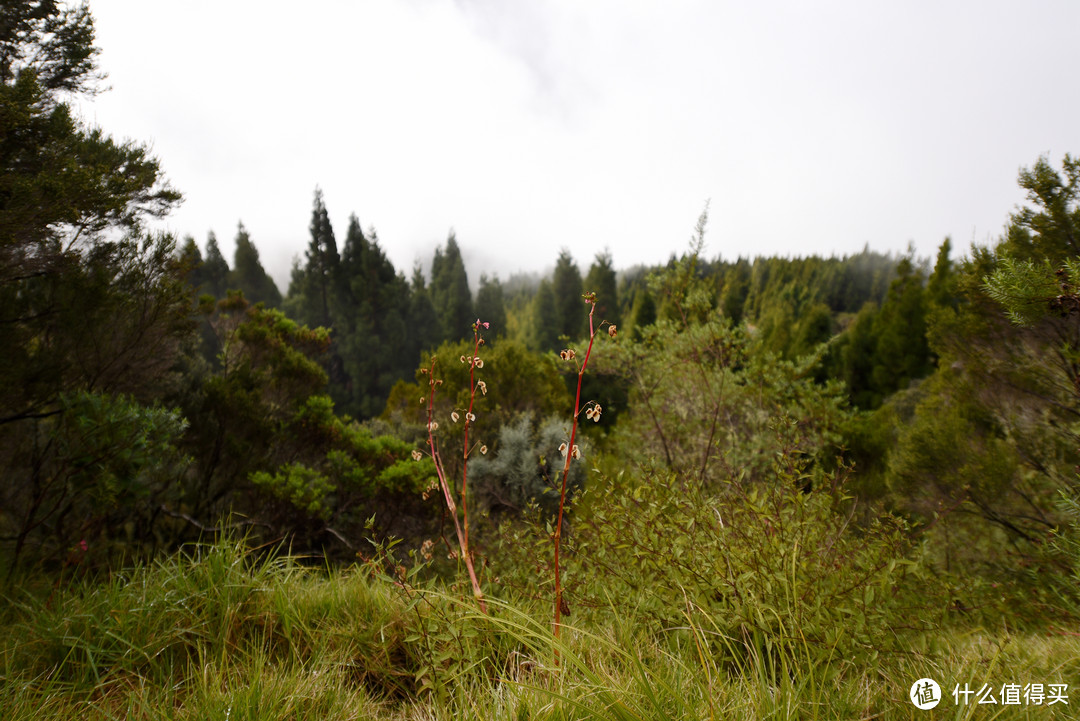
[151,392]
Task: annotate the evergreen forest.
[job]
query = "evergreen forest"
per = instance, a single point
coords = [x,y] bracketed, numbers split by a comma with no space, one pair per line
[717,488]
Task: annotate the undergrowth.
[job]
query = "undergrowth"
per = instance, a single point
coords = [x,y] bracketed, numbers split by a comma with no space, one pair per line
[224,632]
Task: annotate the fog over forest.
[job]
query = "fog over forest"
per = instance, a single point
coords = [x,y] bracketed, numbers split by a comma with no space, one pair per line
[706,480]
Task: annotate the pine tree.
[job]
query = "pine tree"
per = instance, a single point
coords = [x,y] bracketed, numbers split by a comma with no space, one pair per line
[545,325]
[320,273]
[940,292]
[372,339]
[566,287]
[603,281]
[490,307]
[215,268]
[857,358]
[450,291]
[248,275]
[191,263]
[902,354]
[424,328]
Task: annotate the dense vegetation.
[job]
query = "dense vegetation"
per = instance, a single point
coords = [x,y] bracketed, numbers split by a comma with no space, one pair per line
[783,487]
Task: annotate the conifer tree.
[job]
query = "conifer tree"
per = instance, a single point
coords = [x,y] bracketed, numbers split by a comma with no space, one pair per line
[321,271]
[939,289]
[566,286]
[857,358]
[371,309]
[450,291]
[215,268]
[902,354]
[603,281]
[191,263]
[248,275]
[424,328]
[545,326]
[490,307]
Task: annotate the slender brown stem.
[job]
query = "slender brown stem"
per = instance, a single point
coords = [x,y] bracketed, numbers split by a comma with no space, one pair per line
[566,472]
[468,422]
[448,493]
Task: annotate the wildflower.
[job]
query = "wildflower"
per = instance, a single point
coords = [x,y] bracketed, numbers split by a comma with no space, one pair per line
[433,426]
[478,362]
[576,453]
[462,359]
[568,354]
[470,417]
[594,412]
[562,450]
[426,549]
[452,555]
[454,416]
[422,400]
[417,455]
[483,450]
[482,386]
[611,331]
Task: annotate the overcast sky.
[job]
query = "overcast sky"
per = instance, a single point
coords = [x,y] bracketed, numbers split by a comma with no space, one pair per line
[813,127]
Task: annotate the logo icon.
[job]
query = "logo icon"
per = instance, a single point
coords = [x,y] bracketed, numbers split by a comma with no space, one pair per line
[925,693]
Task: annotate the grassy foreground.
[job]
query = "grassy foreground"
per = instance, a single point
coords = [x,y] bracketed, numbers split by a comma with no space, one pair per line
[221,634]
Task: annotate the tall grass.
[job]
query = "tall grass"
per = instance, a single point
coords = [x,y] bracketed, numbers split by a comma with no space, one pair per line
[221,632]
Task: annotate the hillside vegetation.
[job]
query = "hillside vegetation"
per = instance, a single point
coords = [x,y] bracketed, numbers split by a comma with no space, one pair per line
[752,488]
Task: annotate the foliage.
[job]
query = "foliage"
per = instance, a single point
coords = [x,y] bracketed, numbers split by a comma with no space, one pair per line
[602,280]
[458,499]
[701,403]
[566,289]
[490,305]
[768,566]
[268,444]
[248,275]
[523,467]
[518,380]
[450,291]
[96,467]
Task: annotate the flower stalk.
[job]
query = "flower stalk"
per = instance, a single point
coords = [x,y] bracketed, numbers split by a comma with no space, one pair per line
[571,452]
[461,525]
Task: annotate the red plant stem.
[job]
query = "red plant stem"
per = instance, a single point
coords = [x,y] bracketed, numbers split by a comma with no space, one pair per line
[566,473]
[468,415]
[448,494]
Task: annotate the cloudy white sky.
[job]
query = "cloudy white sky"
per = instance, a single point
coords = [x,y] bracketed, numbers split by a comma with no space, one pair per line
[813,127]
